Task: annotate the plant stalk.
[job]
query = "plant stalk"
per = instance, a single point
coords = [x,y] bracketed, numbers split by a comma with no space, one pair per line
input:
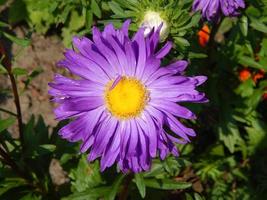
[124,193]
[17,103]
[7,64]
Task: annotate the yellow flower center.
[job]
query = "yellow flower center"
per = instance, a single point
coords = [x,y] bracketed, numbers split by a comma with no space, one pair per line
[126,98]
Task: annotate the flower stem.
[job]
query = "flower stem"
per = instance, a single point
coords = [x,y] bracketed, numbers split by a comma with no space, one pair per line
[17,103]
[7,64]
[124,193]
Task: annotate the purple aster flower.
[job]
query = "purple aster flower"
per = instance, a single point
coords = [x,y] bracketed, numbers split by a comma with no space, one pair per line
[212,9]
[124,99]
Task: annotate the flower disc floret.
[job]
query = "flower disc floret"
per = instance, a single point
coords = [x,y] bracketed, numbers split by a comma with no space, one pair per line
[126,98]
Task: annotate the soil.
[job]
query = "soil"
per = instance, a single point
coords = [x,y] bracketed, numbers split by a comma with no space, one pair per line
[43,53]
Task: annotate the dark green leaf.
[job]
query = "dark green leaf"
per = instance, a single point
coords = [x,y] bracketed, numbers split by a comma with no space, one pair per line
[198,197]
[3,24]
[188,197]
[181,41]
[229,134]
[166,184]
[85,175]
[19,71]
[5,123]
[243,24]
[18,41]
[193,55]
[10,183]
[31,196]
[259,26]
[116,9]
[89,19]
[3,70]
[17,12]
[139,179]
[95,8]
[248,61]
[47,148]
[90,194]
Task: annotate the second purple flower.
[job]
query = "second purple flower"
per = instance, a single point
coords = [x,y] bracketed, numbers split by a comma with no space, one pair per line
[213,9]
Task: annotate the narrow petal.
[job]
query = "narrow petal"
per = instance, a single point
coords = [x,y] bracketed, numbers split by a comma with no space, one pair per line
[164,50]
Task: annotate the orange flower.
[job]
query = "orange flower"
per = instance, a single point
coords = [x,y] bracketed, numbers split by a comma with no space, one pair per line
[204,36]
[259,75]
[244,75]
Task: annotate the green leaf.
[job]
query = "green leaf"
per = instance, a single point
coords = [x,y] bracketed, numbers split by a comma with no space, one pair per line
[47,148]
[89,19]
[246,88]
[95,8]
[17,12]
[65,158]
[173,166]
[139,179]
[3,24]
[89,194]
[86,175]
[166,184]
[32,75]
[19,71]
[18,41]
[258,25]
[257,133]
[226,25]
[198,197]
[39,14]
[31,196]
[182,41]
[3,70]
[248,61]
[243,24]
[217,150]
[5,123]
[116,9]
[42,133]
[229,134]
[29,136]
[156,169]
[193,55]
[67,35]
[76,21]
[188,197]
[10,183]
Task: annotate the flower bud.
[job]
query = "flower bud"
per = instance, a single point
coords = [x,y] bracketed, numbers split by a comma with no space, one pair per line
[152,20]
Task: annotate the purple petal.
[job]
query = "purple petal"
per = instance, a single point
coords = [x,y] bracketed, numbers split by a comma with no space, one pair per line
[164,50]
[177,67]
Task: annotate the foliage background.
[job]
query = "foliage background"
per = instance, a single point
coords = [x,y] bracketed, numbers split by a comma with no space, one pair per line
[227,160]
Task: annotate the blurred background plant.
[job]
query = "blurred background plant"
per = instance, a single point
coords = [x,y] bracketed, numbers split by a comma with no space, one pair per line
[227,160]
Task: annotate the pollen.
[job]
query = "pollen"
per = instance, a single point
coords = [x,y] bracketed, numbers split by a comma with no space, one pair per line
[126,98]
